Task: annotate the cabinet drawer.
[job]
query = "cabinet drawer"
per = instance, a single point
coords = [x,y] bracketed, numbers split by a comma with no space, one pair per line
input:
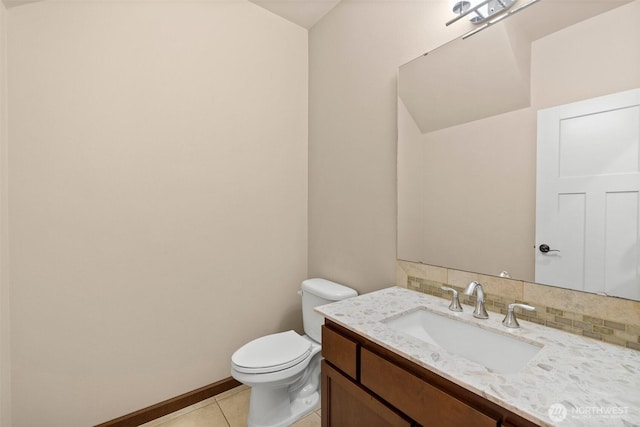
[417,398]
[340,351]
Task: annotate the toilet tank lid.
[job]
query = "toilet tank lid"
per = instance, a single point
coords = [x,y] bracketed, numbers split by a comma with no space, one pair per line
[327,289]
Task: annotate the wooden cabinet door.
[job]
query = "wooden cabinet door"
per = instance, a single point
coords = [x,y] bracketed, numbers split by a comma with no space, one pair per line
[345,404]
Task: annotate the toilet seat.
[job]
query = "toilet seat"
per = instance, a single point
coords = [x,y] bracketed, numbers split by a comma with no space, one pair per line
[271,353]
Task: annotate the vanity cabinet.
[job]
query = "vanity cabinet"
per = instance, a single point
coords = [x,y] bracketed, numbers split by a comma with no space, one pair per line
[366,385]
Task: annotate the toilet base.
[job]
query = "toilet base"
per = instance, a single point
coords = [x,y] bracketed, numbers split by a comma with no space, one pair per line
[278,411]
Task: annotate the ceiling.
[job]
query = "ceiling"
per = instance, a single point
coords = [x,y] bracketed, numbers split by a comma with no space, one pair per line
[302,12]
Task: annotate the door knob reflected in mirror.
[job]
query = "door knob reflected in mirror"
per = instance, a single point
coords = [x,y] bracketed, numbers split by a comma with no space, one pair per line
[544,248]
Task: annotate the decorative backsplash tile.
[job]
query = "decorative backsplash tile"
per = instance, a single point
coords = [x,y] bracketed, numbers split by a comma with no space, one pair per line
[606,319]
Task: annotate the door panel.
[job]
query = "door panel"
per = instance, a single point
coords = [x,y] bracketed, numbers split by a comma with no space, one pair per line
[600,143]
[621,244]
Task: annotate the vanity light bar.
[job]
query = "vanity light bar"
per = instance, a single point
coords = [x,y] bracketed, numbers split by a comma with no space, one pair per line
[498,19]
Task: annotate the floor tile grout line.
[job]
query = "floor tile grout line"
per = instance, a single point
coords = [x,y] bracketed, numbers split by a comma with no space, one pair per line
[226,420]
[168,418]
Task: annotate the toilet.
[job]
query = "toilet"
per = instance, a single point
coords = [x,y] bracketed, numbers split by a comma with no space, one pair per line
[283,369]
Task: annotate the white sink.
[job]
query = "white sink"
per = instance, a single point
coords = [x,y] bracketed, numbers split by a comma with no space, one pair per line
[498,352]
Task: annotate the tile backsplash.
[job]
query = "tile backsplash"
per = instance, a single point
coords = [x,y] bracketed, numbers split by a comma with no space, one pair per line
[609,319]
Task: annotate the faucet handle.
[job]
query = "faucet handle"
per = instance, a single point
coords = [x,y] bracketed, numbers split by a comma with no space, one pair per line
[510,320]
[455,301]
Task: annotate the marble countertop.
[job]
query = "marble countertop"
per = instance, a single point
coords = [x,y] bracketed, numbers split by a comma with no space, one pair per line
[571,381]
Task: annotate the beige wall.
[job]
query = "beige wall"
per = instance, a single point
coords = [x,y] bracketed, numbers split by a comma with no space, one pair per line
[158,198]
[608,62]
[355,51]
[5,368]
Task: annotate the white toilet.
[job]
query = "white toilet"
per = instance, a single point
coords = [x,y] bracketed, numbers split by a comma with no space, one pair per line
[283,370]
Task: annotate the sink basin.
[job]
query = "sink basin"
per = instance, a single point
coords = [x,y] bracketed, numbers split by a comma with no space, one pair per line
[498,352]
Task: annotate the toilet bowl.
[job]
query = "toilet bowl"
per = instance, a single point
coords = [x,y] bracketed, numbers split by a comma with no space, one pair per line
[283,369]
[285,386]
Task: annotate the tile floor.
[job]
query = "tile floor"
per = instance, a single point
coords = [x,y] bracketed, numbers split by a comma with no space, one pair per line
[228,409]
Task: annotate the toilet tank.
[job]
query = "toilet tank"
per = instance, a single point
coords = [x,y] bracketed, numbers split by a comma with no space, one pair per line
[317,292]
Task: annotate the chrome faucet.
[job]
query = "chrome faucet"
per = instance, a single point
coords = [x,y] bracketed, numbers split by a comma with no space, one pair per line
[480,312]
[510,320]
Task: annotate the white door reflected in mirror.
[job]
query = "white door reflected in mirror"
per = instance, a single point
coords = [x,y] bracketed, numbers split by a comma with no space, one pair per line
[588,194]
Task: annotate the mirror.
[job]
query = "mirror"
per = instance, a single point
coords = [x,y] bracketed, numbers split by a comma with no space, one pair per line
[467,128]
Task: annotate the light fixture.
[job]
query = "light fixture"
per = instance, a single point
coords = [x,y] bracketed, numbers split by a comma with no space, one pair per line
[486,12]
[478,11]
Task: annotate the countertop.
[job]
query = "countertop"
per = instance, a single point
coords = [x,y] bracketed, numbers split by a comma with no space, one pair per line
[597,384]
